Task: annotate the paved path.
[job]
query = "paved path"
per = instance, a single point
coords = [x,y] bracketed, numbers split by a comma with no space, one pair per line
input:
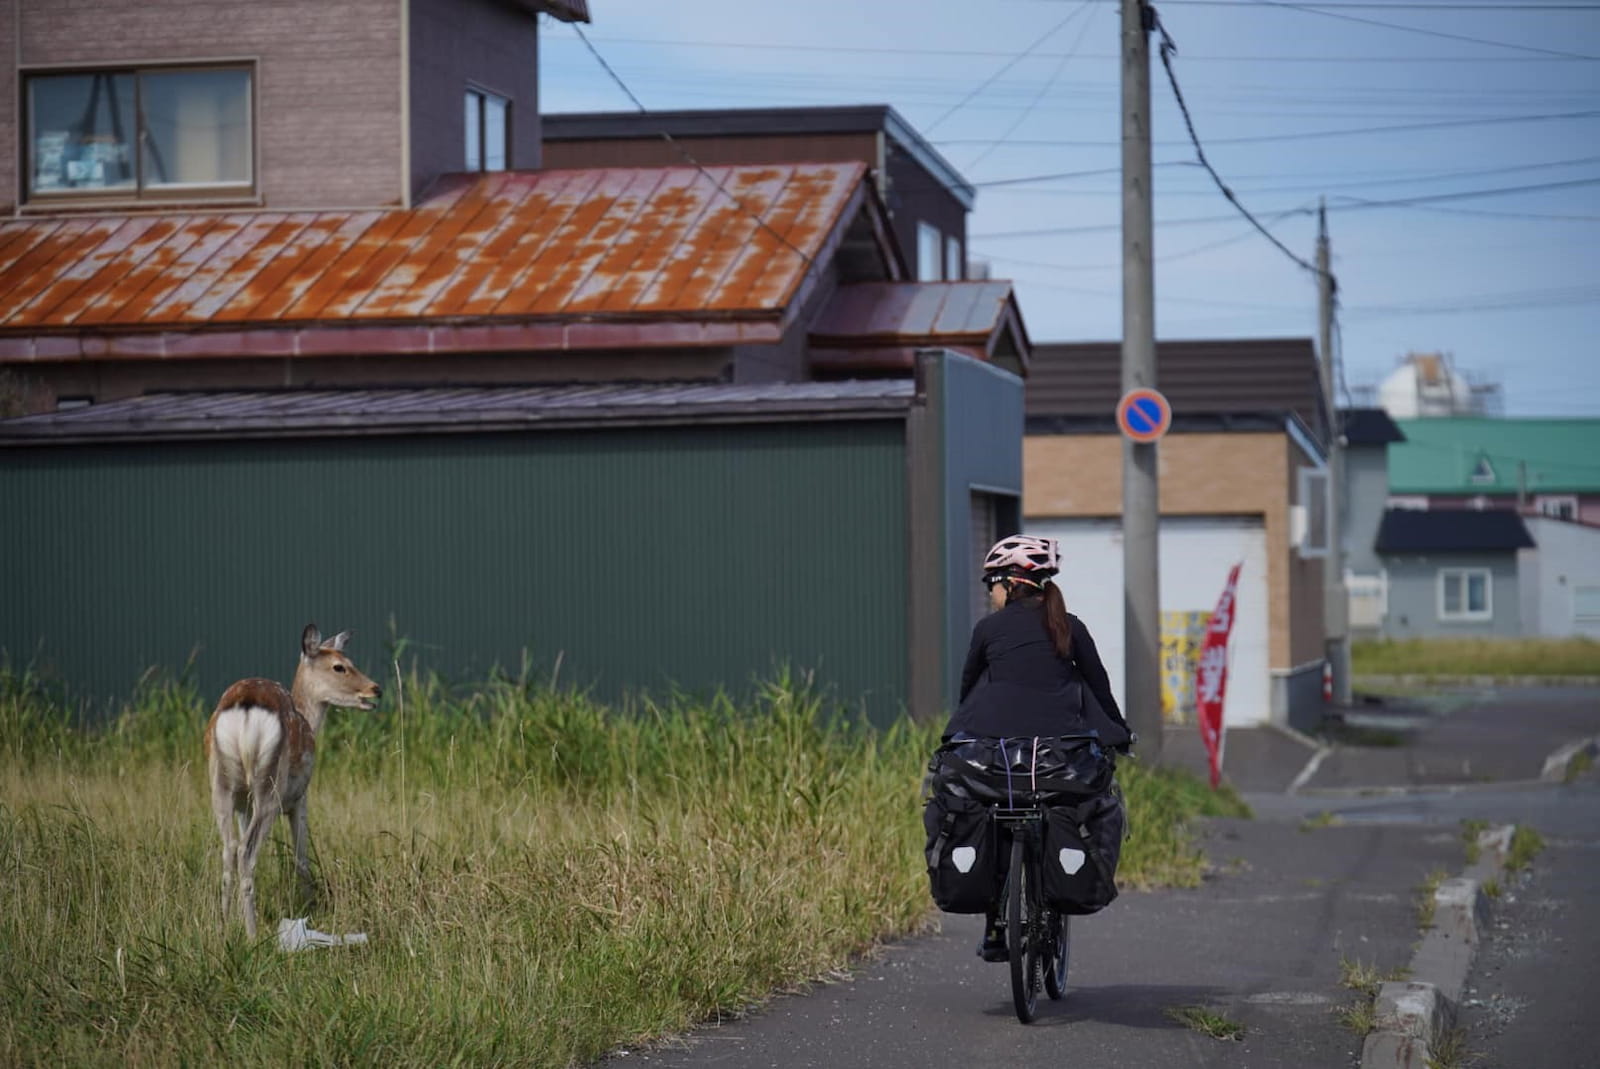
[1262,940]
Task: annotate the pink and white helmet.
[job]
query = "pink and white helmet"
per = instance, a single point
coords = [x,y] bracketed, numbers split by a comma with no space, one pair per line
[1037,558]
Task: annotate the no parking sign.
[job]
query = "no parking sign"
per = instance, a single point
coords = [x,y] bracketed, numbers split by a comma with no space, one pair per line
[1143,414]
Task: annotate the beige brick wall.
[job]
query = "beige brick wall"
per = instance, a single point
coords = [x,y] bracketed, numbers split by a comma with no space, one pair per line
[1236,474]
[327,82]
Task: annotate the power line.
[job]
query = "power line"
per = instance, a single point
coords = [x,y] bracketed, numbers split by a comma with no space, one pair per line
[958,105]
[1060,66]
[1323,10]
[762,223]
[1315,134]
[746,46]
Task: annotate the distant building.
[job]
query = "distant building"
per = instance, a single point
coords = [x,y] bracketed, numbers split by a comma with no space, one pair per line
[1428,385]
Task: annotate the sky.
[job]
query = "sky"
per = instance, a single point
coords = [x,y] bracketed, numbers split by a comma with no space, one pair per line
[1456,146]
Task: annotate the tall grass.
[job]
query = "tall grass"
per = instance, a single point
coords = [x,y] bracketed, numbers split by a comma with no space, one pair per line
[545,880]
[1500,657]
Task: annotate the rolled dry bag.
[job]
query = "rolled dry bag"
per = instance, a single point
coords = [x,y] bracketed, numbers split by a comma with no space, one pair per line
[961,853]
[1082,844]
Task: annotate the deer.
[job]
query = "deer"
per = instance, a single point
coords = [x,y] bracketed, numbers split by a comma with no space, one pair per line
[260,744]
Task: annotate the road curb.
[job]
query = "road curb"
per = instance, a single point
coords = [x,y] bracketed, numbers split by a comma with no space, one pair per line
[1557,764]
[1414,1014]
[1417,679]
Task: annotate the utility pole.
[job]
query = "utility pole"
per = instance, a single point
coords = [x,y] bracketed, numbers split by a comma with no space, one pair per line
[1140,500]
[1335,599]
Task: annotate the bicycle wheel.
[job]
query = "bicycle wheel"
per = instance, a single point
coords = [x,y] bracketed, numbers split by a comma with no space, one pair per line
[1022,942]
[1059,929]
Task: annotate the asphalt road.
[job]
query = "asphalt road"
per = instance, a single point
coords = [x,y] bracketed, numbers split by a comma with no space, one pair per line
[1262,940]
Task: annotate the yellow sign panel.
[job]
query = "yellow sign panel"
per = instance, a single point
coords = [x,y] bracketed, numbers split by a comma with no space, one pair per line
[1182,634]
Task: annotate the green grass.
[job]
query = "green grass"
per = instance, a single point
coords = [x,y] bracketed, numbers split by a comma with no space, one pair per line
[542,879]
[1206,1022]
[1476,657]
[1525,846]
[1470,831]
[1323,819]
[1581,762]
[1426,903]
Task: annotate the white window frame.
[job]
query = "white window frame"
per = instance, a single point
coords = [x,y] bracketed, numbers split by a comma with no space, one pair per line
[1310,515]
[1552,505]
[141,189]
[1465,614]
[952,259]
[1585,604]
[475,138]
[930,252]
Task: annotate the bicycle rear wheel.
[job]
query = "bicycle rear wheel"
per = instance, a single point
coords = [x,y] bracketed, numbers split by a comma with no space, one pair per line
[1022,937]
[1059,934]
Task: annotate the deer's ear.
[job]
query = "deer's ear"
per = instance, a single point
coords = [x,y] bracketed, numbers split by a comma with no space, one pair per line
[337,641]
[310,639]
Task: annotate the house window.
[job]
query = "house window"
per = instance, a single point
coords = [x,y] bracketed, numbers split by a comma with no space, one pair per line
[488,133]
[952,259]
[930,253]
[137,132]
[1309,516]
[1586,605]
[1464,594]
[1560,508]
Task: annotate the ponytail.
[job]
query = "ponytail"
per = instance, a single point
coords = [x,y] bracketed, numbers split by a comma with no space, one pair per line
[1056,622]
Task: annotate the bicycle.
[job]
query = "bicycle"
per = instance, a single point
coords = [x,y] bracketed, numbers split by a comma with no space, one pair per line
[1038,938]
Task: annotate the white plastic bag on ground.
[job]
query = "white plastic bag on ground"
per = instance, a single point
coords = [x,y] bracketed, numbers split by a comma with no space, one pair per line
[293,934]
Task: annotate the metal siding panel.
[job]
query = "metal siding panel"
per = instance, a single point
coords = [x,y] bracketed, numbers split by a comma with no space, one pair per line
[476,548]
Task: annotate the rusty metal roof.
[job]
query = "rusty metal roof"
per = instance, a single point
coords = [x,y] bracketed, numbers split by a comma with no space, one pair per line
[620,245]
[250,414]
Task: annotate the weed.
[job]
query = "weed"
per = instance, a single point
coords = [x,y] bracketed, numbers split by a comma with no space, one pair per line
[1491,888]
[1358,976]
[1359,1017]
[1449,1050]
[1324,819]
[1425,897]
[1206,1022]
[1470,831]
[1581,762]
[1525,846]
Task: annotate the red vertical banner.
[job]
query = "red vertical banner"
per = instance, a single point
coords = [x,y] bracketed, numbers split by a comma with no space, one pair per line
[1211,676]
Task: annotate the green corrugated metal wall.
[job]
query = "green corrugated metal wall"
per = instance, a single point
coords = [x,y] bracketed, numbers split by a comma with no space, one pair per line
[697,555]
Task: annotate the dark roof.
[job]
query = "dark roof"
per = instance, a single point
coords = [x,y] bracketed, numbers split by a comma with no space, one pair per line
[760,122]
[1369,426]
[255,414]
[1225,377]
[1451,531]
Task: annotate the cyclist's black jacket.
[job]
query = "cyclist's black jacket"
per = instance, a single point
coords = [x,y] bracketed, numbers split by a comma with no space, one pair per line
[1015,684]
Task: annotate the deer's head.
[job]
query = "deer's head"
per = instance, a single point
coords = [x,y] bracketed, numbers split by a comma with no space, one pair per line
[328,677]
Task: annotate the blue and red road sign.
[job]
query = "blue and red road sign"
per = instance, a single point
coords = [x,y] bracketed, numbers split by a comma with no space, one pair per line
[1143,414]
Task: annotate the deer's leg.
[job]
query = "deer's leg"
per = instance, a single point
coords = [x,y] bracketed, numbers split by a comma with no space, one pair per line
[264,808]
[302,850]
[222,810]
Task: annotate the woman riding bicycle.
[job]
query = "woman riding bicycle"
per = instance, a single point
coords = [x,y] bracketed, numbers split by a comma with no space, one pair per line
[1023,663]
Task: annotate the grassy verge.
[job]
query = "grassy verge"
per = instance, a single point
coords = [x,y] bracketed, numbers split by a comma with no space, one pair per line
[541,879]
[1476,657]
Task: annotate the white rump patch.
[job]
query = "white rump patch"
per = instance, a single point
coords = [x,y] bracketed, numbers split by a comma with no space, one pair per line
[1072,860]
[247,739]
[963,857]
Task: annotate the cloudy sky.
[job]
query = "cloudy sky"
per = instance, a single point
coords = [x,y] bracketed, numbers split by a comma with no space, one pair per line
[1457,146]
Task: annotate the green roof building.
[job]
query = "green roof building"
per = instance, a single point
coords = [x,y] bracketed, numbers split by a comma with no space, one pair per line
[1552,465]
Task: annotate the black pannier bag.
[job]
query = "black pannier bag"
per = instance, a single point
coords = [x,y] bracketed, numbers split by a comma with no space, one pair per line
[969,778]
[1082,844]
[962,874]
[1022,772]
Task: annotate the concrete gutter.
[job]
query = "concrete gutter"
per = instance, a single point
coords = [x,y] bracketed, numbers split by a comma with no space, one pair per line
[1415,1014]
[1557,764]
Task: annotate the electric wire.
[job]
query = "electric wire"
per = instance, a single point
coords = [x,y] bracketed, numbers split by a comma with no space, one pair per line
[762,223]
[981,86]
